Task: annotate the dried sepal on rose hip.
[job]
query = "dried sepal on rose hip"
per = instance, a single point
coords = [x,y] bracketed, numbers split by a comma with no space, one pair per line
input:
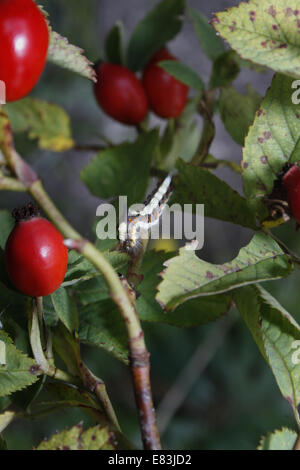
[35,256]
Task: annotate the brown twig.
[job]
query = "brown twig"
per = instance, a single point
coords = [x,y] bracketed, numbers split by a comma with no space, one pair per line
[140,370]
[138,354]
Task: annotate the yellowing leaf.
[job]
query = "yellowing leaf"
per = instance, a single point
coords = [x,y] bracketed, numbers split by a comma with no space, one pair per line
[44,121]
[95,438]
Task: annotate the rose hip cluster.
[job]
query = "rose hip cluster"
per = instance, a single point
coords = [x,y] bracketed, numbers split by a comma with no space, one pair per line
[124,97]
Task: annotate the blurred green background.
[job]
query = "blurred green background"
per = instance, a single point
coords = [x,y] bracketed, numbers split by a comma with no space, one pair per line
[235,400]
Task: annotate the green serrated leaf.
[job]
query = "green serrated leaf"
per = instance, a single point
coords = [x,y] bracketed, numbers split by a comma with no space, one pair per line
[183,73]
[95,438]
[237,112]
[70,57]
[101,325]
[225,70]
[187,276]
[264,32]
[91,291]
[66,395]
[154,31]
[194,312]
[272,141]
[122,170]
[65,308]
[60,396]
[44,121]
[81,270]
[17,370]
[195,185]
[67,346]
[210,43]
[277,335]
[24,399]
[114,44]
[283,439]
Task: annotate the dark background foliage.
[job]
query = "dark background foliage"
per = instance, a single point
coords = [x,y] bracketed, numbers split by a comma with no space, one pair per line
[235,400]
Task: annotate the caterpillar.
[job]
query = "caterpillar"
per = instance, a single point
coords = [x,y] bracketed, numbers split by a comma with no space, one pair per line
[138,223]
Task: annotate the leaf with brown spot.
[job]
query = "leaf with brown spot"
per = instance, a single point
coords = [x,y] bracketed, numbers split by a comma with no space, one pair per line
[265,32]
[277,335]
[95,438]
[18,371]
[185,276]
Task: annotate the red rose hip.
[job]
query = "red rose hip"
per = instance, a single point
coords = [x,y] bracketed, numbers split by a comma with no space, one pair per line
[120,93]
[24,40]
[35,257]
[291,183]
[167,96]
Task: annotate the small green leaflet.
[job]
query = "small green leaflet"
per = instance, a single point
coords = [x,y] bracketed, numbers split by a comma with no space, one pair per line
[210,43]
[277,335]
[61,396]
[183,73]
[65,308]
[272,141]
[101,325]
[237,111]
[186,276]
[225,70]
[81,270]
[17,370]
[265,32]
[122,170]
[114,44]
[154,31]
[195,185]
